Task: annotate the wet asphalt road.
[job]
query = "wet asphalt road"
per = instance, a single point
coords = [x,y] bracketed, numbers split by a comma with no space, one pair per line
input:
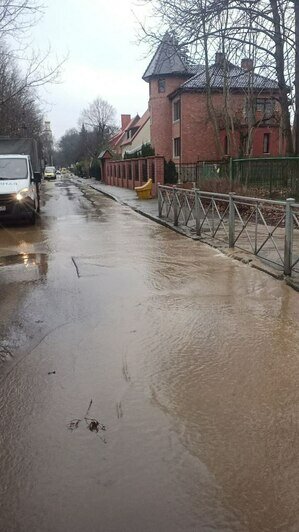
[147,383]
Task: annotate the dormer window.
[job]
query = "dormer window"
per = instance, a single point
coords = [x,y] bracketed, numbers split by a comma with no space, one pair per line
[161,85]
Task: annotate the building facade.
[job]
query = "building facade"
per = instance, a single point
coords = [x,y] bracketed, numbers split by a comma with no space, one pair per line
[202,114]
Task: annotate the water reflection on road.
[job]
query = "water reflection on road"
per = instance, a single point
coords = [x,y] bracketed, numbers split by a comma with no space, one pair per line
[187,359]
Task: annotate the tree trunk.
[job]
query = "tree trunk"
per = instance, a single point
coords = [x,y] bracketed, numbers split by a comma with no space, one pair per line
[280,68]
[296,7]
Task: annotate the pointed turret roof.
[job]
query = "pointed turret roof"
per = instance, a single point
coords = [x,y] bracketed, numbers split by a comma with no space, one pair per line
[168,60]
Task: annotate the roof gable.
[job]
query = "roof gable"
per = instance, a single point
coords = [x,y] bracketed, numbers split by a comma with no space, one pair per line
[133,122]
[168,60]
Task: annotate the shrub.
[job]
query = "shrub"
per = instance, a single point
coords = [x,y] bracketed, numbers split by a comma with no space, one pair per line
[145,151]
[95,169]
[170,173]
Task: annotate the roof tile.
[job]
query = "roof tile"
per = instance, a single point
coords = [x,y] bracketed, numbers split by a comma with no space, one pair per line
[236,78]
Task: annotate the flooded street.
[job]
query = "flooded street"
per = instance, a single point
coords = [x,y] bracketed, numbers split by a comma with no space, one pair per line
[147,382]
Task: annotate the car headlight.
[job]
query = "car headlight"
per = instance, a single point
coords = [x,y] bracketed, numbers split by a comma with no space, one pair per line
[22,194]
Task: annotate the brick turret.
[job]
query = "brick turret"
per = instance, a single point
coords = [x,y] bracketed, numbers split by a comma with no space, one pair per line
[167,70]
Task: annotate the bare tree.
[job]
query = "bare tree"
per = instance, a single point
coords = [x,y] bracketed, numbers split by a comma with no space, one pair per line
[97,124]
[100,116]
[33,71]
[19,112]
[16,17]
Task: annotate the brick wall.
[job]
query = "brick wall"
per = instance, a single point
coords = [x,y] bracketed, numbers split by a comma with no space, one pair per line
[195,128]
[130,173]
[197,132]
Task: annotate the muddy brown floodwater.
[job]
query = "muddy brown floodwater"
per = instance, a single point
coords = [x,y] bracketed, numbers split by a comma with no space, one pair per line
[147,383]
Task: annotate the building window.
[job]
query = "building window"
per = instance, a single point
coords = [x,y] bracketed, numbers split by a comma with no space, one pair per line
[177,147]
[226,145]
[161,85]
[266,143]
[265,107]
[176,110]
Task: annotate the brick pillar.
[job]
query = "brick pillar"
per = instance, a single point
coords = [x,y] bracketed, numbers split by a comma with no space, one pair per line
[159,170]
[140,172]
[104,169]
[116,174]
[121,168]
[131,182]
[149,169]
[126,174]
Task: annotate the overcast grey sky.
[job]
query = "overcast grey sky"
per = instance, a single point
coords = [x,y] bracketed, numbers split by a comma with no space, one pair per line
[103,59]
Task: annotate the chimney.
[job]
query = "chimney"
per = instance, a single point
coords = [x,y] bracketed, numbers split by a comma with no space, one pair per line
[219,58]
[247,64]
[125,120]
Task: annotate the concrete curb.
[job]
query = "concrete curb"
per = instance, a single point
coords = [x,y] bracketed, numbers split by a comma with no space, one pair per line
[245,258]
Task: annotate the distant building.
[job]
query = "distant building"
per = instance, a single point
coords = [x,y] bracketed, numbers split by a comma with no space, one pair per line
[47,144]
[115,141]
[133,133]
[137,133]
[181,125]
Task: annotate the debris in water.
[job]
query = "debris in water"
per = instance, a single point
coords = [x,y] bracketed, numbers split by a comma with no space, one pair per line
[74,424]
[89,407]
[92,424]
[119,410]
[125,370]
[51,372]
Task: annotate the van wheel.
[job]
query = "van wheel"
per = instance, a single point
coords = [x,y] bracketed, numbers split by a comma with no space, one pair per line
[32,218]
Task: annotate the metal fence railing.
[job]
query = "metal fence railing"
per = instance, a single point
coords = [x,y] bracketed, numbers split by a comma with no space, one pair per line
[271,176]
[268,229]
[202,170]
[276,175]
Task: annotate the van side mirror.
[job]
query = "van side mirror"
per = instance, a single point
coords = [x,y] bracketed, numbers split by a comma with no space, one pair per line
[37,177]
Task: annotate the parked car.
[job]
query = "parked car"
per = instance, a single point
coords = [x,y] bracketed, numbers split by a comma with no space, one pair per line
[50,172]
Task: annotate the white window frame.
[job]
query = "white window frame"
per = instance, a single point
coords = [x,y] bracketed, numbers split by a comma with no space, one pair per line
[174,155]
[174,119]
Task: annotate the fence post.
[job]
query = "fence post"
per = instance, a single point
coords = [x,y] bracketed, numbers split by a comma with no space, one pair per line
[197,211]
[231,221]
[159,202]
[231,170]
[175,208]
[288,240]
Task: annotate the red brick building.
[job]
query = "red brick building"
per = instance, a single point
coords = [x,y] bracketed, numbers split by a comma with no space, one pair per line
[241,119]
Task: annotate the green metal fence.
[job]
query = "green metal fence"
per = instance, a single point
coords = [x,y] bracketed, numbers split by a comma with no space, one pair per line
[276,175]
[201,171]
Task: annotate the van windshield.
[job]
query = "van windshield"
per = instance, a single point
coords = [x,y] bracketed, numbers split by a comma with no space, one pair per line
[50,169]
[13,168]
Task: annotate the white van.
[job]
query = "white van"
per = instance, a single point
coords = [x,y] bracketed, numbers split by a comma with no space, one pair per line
[19,188]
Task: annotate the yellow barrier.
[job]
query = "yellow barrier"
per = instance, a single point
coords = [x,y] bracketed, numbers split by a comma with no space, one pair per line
[145,191]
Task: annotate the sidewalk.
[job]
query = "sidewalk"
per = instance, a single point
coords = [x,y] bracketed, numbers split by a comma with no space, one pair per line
[125,196]
[149,208]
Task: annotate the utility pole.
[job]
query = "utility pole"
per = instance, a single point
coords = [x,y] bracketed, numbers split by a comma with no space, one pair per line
[296,8]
